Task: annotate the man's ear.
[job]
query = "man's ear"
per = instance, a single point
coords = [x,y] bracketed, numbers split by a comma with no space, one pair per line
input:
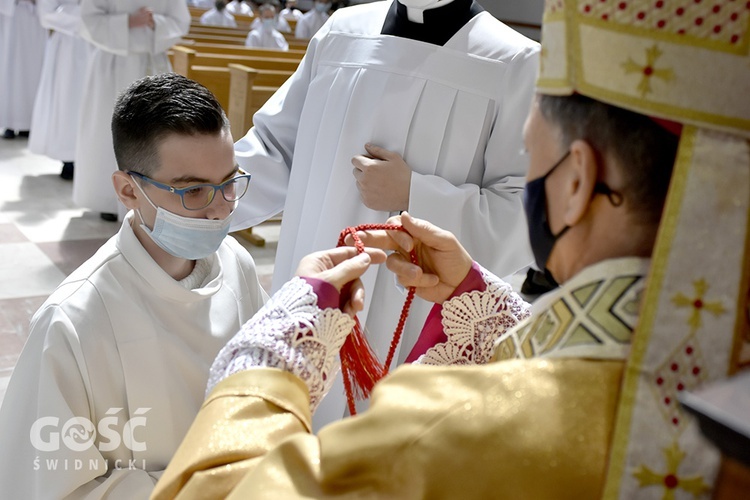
[582,180]
[125,190]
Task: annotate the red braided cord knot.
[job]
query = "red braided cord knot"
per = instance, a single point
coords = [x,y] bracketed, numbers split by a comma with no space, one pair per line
[360,366]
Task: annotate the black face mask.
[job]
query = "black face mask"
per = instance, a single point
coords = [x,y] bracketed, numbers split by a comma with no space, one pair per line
[535,205]
[541,237]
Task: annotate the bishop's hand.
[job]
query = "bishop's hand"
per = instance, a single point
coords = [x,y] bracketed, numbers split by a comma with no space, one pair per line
[383,179]
[292,333]
[342,268]
[442,262]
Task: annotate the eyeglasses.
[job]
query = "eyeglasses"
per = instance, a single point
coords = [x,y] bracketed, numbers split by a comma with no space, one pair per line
[201,195]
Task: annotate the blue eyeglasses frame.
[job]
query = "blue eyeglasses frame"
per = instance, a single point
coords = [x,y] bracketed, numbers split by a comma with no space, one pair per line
[181,191]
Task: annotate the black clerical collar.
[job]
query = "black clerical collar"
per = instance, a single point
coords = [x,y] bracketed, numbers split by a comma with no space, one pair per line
[440,23]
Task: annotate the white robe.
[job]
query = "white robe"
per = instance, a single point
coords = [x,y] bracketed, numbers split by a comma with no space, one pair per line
[266,39]
[21,57]
[118,338]
[290,14]
[54,123]
[309,24]
[215,18]
[121,56]
[456,118]
[239,8]
[282,25]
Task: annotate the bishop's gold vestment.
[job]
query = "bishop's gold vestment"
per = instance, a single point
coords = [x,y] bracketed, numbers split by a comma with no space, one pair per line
[519,428]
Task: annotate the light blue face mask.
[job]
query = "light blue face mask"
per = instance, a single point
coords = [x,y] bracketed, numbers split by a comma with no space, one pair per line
[322,7]
[268,24]
[185,237]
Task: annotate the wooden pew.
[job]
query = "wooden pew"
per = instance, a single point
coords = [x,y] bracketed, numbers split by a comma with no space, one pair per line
[224,39]
[196,11]
[247,93]
[202,29]
[243,21]
[217,79]
[232,36]
[245,99]
[233,49]
[183,58]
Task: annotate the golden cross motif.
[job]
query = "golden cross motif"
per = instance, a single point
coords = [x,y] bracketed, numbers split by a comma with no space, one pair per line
[698,304]
[670,481]
[648,70]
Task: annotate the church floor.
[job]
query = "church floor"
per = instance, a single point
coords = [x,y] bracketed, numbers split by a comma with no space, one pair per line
[44,237]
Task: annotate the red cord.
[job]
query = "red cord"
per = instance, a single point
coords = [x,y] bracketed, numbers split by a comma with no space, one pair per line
[359,365]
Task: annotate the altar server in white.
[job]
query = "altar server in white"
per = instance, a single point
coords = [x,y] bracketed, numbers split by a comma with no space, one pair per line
[265,33]
[54,122]
[131,40]
[239,7]
[116,364]
[21,57]
[312,20]
[446,90]
[218,15]
[290,11]
[281,24]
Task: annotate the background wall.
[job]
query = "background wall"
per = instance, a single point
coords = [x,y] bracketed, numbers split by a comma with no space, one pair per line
[523,12]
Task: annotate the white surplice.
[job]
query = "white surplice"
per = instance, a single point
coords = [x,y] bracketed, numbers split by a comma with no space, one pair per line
[456,115]
[309,24]
[215,18]
[21,57]
[266,39]
[119,339]
[121,56]
[54,123]
[239,8]
[282,25]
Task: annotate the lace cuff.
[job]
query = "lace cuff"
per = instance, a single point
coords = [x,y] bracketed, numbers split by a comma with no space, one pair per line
[290,333]
[473,321]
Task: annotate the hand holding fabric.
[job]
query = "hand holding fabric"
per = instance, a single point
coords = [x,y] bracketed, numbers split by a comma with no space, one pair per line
[443,262]
[292,333]
[383,179]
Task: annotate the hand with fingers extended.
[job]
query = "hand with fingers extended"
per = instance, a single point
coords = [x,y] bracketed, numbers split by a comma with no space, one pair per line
[442,262]
[293,332]
[383,179]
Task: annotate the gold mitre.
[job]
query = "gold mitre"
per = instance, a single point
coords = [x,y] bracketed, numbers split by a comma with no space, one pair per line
[685,61]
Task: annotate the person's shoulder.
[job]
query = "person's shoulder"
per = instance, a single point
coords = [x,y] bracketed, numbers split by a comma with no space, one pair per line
[359,18]
[80,286]
[231,251]
[358,12]
[490,37]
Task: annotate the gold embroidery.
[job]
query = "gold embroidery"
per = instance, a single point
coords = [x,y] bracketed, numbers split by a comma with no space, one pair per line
[698,304]
[670,480]
[648,70]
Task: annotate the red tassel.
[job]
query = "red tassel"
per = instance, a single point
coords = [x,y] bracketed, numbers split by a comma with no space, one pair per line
[360,367]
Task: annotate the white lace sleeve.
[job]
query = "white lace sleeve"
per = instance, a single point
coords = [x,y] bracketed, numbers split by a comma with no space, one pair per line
[474,320]
[291,333]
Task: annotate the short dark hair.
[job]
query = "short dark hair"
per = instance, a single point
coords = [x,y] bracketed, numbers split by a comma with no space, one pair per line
[157,106]
[644,150]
